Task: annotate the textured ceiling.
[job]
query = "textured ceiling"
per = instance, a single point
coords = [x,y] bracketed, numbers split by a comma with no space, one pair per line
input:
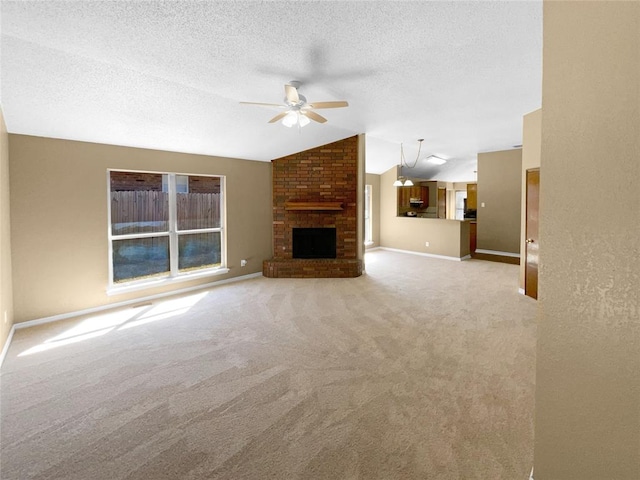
[170,75]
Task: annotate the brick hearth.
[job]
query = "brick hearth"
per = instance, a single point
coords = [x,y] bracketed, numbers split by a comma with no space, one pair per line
[312,268]
[303,183]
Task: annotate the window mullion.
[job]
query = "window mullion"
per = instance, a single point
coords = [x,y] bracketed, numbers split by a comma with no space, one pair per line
[139,235]
[173,226]
[200,230]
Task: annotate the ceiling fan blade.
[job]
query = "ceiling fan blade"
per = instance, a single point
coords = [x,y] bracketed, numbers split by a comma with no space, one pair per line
[263,104]
[291,93]
[313,116]
[329,104]
[278,117]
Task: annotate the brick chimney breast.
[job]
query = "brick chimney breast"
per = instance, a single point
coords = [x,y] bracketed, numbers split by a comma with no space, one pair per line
[326,175]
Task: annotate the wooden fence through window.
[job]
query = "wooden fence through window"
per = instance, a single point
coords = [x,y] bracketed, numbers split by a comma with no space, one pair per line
[148,211]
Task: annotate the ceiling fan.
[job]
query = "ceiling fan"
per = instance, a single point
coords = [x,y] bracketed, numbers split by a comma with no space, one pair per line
[296,109]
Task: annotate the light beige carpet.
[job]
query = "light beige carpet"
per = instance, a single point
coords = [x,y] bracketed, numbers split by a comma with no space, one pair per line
[421,369]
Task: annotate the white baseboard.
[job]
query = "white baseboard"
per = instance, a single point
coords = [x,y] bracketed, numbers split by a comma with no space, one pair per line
[5,348]
[497,252]
[77,313]
[521,291]
[432,255]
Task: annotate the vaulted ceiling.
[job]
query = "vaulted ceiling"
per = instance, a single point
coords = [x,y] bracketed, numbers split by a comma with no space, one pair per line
[170,75]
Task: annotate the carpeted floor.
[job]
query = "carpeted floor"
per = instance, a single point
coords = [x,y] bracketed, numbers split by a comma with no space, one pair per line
[420,369]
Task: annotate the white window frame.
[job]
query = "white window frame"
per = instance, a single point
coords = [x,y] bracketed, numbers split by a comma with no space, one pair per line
[459,212]
[368,220]
[174,275]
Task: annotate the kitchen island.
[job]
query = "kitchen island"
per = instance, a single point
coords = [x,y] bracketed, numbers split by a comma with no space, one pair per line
[427,236]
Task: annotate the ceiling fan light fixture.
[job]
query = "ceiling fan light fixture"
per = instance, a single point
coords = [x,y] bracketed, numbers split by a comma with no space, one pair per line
[297,110]
[303,120]
[290,119]
[295,118]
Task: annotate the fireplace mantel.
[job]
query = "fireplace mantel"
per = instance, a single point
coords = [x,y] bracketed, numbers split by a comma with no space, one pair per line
[313,206]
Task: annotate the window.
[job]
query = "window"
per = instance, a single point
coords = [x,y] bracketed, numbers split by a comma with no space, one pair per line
[164,225]
[368,222]
[461,203]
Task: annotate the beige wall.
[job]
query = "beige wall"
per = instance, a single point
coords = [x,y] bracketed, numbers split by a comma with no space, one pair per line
[59,219]
[374,180]
[531,145]
[499,179]
[449,238]
[587,421]
[6,289]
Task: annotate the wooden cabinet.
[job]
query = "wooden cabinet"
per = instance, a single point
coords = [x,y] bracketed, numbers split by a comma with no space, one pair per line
[424,195]
[473,234]
[405,194]
[403,197]
[472,196]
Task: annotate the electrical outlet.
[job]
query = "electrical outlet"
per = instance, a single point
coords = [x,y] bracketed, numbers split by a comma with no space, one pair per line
[6,318]
[482,204]
[243,263]
[426,244]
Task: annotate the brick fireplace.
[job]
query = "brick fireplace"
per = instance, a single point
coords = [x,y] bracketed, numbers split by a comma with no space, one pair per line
[316,189]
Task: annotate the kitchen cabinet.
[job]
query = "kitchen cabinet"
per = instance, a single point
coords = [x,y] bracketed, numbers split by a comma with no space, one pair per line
[473,234]
[405,194]
[403,197]
[472,196]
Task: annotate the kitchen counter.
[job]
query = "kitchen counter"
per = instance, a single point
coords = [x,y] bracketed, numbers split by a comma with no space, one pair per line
[469,220]
[445,237]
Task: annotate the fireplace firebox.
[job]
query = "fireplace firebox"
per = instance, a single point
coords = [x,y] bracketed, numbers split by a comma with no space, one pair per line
[314,243]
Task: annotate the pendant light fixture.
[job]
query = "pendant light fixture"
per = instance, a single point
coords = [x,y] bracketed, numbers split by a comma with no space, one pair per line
[403,181]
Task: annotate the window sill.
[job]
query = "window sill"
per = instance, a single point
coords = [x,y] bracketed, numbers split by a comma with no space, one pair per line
[132,287]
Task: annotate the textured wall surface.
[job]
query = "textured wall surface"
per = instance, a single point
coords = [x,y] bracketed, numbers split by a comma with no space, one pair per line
[59,219]
[499,188]
[6,282]
[588,357]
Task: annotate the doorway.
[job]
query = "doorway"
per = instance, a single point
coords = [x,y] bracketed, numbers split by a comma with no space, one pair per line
[532,247]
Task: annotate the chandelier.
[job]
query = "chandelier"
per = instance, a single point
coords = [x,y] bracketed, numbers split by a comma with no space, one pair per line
[403,181]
